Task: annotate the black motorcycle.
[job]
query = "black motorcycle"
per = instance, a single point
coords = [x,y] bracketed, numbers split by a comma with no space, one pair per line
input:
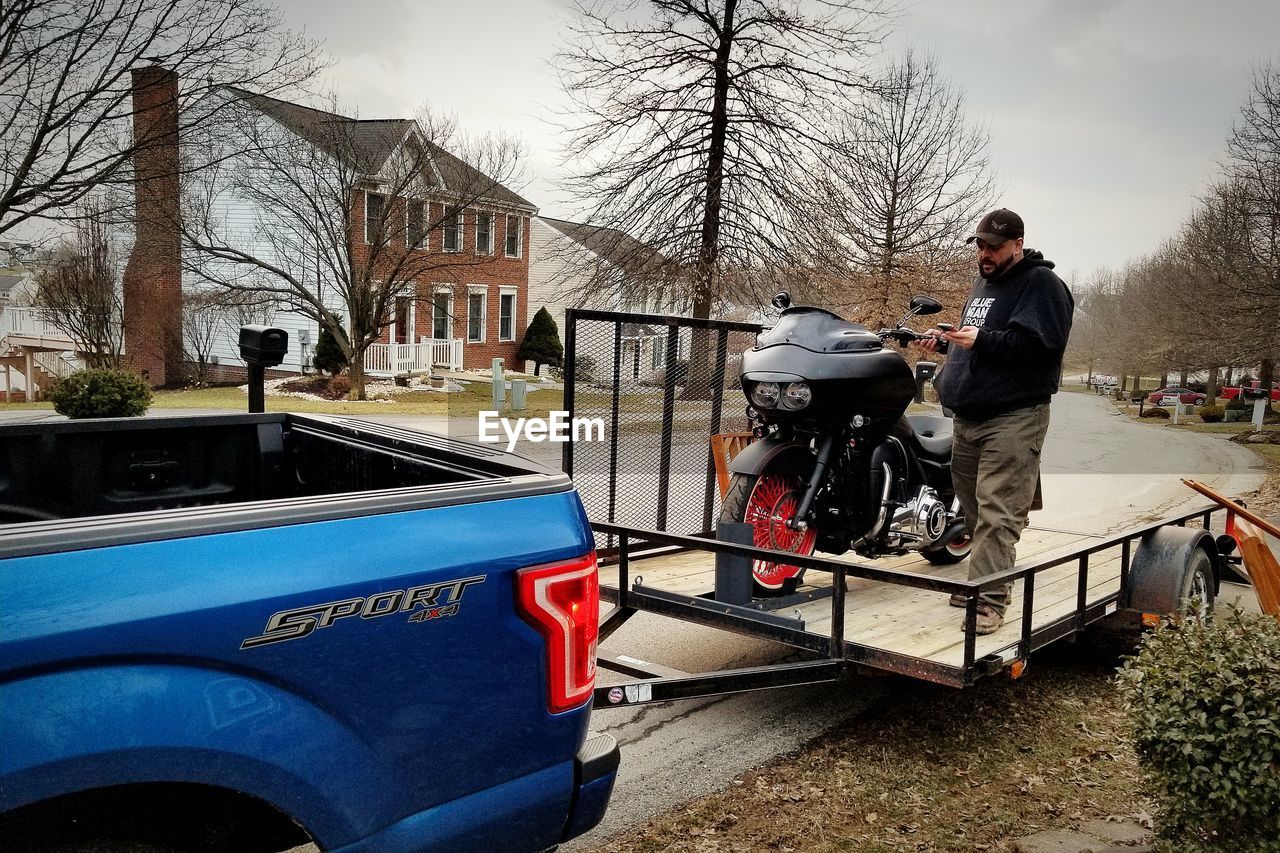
[835,465]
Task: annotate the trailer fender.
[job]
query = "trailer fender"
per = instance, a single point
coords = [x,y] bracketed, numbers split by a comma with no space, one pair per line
[1163,567]
[759,455]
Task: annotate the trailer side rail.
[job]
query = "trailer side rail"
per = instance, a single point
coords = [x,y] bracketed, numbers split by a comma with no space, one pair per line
[839,656]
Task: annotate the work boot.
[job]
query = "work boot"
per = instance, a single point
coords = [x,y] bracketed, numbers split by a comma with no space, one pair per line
[988,620]
[958,599]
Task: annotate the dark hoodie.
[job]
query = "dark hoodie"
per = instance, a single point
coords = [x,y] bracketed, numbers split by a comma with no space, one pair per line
[1023,319]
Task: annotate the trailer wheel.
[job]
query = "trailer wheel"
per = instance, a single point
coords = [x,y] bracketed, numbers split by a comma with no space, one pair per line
[1172,565]
[767,501]
[1198,585]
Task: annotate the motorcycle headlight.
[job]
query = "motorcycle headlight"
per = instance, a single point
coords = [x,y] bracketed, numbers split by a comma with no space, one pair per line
[766,394]
[796,396]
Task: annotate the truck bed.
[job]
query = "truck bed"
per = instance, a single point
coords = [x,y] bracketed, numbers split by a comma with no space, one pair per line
[64,485]
[902,620]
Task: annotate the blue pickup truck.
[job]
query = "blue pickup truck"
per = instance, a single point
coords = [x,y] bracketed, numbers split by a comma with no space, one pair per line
[249,632]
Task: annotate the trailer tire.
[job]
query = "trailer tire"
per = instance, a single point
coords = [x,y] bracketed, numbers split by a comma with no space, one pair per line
[1173,564]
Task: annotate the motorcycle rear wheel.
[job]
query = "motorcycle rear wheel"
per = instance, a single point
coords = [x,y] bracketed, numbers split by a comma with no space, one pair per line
[767,501]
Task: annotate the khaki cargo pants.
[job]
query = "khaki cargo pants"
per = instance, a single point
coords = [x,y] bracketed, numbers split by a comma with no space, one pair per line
[995,467]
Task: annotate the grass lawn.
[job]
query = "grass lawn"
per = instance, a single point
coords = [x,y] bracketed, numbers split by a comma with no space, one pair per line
[465,403]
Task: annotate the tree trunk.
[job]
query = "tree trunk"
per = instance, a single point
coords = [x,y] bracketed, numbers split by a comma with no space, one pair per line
[355,372]
[1164,379]
[1182,378]
[1211,387]
[1230,370]
[698,379]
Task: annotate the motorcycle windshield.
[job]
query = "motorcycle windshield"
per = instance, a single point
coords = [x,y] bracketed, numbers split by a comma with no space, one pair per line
[818,330]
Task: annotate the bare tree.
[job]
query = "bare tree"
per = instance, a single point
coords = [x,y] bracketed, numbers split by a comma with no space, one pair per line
[80,291]
[66,87]
[692,117]
[1254,166]
[906,182]
[332,217]
[204,318]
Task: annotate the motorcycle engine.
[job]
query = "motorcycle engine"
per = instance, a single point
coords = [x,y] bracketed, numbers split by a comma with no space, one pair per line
[920,522]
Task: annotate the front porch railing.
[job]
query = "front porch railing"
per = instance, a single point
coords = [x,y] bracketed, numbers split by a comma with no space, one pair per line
[393,359]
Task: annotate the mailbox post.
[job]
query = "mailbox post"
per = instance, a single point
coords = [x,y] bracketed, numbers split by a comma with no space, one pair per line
[1261,397]
[261,347]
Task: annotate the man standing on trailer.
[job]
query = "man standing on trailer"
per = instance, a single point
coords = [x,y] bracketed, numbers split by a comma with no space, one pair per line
[1003,365]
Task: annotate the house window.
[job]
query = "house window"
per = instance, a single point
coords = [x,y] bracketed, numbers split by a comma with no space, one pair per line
[442,315]
[484,233]
[477,301]
[415,236]
[453,231]
[373,217]
[507,314]
[513,236]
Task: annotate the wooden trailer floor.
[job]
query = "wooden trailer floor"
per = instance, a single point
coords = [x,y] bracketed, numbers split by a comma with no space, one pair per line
[909,621]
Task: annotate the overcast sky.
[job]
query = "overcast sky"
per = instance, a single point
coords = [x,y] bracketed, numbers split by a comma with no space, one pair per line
[1107,117]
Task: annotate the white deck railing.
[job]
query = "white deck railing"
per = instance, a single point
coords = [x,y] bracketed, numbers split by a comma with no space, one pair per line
[393,359]
[28,321]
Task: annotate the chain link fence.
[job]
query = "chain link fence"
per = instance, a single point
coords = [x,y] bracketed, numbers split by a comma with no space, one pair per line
[661,386]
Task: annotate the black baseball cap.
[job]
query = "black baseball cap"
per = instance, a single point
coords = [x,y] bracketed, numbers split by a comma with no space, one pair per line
[998,226]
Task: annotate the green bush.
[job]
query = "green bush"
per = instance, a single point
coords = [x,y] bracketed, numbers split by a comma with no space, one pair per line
[329,357]
[101,394]
[541,343]
[1204,701]
[1155,412]
[1238,405]
[1212,414]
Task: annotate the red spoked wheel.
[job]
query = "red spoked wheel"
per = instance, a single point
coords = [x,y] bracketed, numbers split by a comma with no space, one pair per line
[767,502]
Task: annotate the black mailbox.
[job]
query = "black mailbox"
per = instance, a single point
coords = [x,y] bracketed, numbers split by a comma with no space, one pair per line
[1254,393]
[925,371]
[263,345]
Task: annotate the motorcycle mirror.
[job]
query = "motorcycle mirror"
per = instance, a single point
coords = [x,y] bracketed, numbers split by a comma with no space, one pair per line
[925,305]
[782,301]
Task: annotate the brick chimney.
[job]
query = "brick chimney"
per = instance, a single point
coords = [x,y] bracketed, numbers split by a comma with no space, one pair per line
[153,275]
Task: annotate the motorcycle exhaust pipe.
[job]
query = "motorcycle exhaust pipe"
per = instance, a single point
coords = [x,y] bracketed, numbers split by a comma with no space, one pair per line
[798,521]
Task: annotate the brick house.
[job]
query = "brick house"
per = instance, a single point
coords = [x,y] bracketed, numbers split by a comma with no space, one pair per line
[476,308]
[460,313]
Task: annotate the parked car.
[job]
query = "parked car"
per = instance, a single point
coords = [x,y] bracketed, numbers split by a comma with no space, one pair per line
[1169,396]
[1232,392]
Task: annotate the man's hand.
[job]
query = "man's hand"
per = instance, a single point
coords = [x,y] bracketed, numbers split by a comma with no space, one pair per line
[962,337]
[929,344]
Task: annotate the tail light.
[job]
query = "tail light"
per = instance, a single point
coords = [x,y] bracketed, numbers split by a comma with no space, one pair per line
[562,601]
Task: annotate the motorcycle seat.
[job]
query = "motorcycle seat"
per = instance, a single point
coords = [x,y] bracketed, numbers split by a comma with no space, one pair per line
[933,436]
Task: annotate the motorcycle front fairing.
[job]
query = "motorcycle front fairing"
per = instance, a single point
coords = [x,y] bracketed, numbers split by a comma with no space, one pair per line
[846,366]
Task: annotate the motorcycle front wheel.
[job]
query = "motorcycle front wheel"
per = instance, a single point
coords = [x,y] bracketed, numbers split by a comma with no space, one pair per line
[767,501]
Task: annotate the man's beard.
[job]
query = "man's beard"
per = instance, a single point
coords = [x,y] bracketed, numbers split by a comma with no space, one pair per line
[997,269]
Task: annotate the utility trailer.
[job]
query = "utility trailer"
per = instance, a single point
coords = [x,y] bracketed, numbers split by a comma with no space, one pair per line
[651,491]
[892,615]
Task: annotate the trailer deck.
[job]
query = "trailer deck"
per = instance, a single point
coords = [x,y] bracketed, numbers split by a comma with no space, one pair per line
[905,620]
[890,614]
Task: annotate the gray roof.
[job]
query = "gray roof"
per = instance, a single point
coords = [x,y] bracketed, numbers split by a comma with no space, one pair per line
[370,142]
[614,246]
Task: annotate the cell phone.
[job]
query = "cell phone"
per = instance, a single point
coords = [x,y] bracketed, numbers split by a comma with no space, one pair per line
[946,327]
